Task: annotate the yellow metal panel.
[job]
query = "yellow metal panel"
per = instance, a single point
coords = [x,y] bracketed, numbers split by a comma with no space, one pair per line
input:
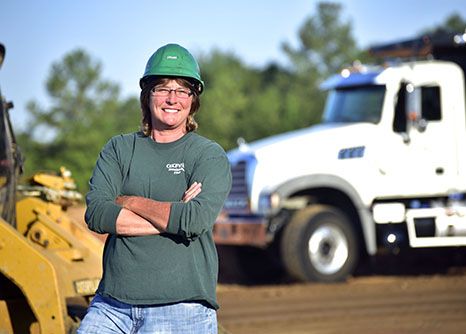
[30,209]
[31,272]
[74,252]
[5,316]
[50,181]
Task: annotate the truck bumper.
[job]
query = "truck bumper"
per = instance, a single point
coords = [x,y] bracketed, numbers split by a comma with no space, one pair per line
[244,231]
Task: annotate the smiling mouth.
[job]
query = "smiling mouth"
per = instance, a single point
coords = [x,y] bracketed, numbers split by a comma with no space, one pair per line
[171,111]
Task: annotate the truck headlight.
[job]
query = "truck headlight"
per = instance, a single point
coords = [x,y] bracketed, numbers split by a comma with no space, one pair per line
[268,202]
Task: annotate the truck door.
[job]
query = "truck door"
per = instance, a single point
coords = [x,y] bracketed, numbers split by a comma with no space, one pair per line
[422,152]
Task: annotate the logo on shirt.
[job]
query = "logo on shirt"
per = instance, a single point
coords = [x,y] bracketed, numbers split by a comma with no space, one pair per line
[176,168]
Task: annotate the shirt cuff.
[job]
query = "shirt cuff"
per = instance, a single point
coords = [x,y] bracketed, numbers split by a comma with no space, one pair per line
[174,221]
[110,215]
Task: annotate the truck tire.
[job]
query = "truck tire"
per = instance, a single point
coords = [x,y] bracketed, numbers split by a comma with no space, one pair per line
[319,244]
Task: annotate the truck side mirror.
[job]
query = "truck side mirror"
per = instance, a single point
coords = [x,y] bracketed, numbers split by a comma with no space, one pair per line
[414,108]
[2,54]
[400,122]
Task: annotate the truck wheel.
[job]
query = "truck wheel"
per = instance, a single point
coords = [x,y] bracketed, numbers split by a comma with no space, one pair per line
[319,244]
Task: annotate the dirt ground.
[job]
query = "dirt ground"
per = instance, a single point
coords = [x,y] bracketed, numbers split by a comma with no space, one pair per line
[416,292]
[425,304]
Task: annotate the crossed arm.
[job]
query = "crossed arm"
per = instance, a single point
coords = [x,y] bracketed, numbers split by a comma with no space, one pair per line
[143,216]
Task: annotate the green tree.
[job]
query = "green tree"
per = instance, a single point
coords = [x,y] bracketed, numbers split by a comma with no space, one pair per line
[225,100]
[85,111]
[249,103]
[326,43]
[244,102]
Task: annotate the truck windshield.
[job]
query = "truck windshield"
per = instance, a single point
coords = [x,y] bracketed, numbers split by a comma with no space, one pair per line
[354,104]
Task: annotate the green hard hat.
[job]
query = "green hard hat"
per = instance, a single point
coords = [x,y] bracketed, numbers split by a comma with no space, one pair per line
[173,60]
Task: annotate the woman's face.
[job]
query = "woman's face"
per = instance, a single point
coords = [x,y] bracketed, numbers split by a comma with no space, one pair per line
[170,104]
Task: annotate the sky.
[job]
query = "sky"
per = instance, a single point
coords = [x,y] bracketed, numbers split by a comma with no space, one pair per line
[122,35]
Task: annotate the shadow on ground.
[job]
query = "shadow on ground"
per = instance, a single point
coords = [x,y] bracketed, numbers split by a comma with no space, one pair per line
[252,266]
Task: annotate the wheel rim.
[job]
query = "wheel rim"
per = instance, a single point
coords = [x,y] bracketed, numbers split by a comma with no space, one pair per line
[328,249]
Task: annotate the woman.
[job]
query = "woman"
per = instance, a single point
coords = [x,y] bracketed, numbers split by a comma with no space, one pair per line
[157,194]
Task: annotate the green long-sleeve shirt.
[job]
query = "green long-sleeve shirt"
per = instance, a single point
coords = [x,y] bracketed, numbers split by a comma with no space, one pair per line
[181,264]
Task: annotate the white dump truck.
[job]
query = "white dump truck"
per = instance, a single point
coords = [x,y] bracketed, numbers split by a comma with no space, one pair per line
[386,168]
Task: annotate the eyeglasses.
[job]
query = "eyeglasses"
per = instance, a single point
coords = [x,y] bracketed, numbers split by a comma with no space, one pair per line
[182,93]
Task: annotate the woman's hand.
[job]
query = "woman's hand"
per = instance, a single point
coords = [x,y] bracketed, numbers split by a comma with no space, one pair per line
[192,192]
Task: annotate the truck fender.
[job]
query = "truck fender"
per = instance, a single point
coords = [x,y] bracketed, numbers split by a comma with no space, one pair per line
[334,182]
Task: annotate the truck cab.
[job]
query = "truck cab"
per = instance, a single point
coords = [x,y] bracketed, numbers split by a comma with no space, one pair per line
[385,167]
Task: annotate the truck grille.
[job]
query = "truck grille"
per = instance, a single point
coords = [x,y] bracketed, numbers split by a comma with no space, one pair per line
[238,199]
[239,185]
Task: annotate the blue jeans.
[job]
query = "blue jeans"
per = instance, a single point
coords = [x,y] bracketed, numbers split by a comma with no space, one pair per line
[107,315]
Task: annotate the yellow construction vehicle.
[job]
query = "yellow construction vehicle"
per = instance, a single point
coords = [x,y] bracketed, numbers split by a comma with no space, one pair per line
[50,266]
